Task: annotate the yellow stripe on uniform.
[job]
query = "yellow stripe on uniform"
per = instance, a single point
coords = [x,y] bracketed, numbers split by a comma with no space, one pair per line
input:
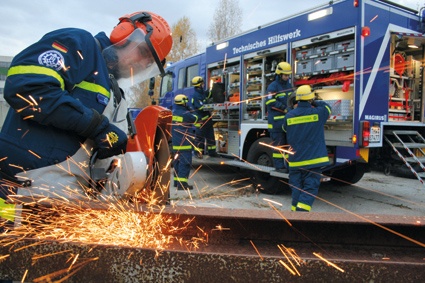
[303,119]
[36,70]
[182,147]
[94,88]
[7,210]
[309,162]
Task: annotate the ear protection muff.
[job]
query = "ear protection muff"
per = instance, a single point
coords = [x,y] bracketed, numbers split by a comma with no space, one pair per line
[121,31]
[127,25]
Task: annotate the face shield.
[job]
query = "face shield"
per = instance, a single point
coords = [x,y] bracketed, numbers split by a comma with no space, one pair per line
[133,60]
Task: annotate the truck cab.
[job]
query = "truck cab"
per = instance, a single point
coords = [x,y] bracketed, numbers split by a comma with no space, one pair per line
[178,79]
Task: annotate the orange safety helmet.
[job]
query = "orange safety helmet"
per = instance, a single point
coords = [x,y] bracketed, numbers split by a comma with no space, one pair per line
[156,29]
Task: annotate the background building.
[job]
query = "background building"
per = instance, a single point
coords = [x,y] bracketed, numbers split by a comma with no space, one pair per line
[4,66]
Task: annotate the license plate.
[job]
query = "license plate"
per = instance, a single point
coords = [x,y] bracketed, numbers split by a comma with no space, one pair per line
[375,134]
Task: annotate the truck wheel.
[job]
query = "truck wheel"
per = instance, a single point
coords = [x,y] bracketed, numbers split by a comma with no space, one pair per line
[349,175]
[262,155]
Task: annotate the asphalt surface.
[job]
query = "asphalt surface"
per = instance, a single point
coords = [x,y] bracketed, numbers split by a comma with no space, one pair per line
[227,187]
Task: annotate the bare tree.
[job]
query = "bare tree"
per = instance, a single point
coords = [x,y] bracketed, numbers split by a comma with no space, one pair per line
[139,97]
[227,20]
[185,42]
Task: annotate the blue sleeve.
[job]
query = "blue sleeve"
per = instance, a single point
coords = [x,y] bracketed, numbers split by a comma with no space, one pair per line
[188,117]
[42,78]
[196,101]
[324,108]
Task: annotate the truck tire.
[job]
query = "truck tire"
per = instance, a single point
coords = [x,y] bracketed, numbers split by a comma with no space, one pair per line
[262,155]
[349,175]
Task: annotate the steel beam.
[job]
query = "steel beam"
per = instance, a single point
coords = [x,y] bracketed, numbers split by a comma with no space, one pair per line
[242,247]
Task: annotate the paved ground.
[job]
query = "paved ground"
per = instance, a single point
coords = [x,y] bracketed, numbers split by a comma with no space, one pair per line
[223,186]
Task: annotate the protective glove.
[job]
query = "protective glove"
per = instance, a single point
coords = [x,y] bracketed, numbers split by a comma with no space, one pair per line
[109,139]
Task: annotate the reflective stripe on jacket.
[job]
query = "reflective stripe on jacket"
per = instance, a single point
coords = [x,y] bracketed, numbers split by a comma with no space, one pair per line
[54,83]
[276,102]
[304,127]
[181,130]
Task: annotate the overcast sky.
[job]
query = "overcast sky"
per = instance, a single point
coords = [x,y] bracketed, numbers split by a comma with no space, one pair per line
[23,22]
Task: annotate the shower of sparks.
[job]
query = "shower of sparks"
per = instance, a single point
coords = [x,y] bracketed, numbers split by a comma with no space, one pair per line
[272,201]
[416,242]
[105,220]
[256,250]
[287,267]
[117,225]
[374,18]
[24,99]
[25,275]
[293,255]
[28,117]
[220,228]
[290,256]
[79,54]
[281,148]
[35,154]
[328,262]
[67,272]
[278,211]
[33,100]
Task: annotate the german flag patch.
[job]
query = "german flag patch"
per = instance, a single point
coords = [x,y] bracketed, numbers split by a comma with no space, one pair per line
[59,47]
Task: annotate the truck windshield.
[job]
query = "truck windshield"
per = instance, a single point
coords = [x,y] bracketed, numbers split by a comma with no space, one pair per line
[166,84]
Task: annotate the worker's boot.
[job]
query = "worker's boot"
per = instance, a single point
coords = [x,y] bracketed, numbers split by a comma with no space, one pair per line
[198,154]
[184,187]
[213,154]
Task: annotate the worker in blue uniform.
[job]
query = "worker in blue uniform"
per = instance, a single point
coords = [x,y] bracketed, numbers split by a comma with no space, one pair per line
[304,127]
[204,127]
[183,120]
[66,100]
[276,101]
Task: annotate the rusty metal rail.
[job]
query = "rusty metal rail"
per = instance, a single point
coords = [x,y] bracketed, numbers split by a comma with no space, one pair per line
[243,246]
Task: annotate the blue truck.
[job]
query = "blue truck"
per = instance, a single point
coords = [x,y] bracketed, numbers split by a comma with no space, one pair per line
[365,58]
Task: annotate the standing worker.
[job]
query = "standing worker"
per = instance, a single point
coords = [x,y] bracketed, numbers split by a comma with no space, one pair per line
[278,92]
[183,121]
[304,127]
[66,102]
[204,128]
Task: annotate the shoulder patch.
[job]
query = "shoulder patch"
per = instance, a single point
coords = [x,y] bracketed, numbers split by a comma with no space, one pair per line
[102,99]
[52,59]
[60,47]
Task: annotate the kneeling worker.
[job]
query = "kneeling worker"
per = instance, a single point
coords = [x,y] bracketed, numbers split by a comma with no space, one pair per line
[183,121]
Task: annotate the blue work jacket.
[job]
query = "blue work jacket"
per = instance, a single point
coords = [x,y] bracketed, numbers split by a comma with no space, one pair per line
[183,120]
[199,98]
[276,102]
[304,127]
[52,87]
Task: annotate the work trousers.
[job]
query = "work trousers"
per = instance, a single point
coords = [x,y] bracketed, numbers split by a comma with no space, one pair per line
[304,184]
[182,164]
[278,139]
[206,132]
